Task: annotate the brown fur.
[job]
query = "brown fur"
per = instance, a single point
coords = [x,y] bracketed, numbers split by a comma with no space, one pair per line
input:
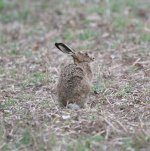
[74,83]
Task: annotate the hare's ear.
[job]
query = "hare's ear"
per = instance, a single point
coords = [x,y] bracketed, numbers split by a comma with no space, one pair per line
[64,48]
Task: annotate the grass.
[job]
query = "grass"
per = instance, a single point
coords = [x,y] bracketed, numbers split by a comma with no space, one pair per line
[28,54]
[145,37]
[124,91]
[99,87]
[98,9]
[2,71]
[128,145]
[9,102]
[35,79]
[120,22]
[15,16]
[69,35]
[2,40]
[119,6]
[85,144]
[136,143]
[26,138]
[116,114]
[140,141]
[13,52]
[85,47]
[87,34]
[3,4]
[8,72]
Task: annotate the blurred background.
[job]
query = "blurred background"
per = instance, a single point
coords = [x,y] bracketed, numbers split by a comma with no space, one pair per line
[102,22]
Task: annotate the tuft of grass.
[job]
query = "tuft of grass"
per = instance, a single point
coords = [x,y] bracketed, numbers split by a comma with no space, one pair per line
[8,72]
[27,96]
[85,144]
[2,133]
[5,148]
[35,79]
[145,37]
[5,4]
[99,9]
[137,142]
[87,34]
[26,139]
[127,144]
[2,71]
[28,53]
[15,16]
[141,140]
[144,51]
[12,73]
[2,4]
[52,140]
[124,91]
[8,103]
[3,39]
[13,50]
[119,6]
[134,4]
[101,85]
[116,6]
[68,35]
[120,22]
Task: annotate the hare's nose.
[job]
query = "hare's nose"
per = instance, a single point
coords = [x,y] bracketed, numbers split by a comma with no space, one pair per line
[93,58]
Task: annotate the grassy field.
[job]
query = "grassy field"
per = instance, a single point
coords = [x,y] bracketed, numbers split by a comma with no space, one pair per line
[117,115]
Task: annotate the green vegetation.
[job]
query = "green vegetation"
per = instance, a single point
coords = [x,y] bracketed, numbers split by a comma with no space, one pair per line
[15,16]
[35,79]
[69,35]
[85,144]
[88,34]
[26,139]
[2,4]
[9,102]
[124,91]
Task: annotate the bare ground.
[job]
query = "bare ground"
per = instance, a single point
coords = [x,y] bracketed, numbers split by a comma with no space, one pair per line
[117,115]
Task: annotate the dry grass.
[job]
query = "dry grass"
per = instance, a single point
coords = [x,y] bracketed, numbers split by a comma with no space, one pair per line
[117,115]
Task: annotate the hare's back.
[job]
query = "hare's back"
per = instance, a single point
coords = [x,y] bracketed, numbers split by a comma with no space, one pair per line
[71,81]
[72,85]
[72,73]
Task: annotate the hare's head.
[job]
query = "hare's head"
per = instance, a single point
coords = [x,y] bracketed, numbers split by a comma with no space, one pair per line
[78,57]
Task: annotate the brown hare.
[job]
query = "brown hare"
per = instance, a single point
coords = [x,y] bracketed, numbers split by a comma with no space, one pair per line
[75,79]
